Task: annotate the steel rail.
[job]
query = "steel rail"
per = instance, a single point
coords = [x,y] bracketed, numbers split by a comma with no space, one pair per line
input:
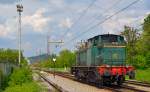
[114,88]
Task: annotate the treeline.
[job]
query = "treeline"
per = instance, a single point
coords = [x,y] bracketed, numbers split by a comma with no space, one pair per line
[65,58]
[8,58]
[9,55]
[138,44]
[20,79]
[13,76]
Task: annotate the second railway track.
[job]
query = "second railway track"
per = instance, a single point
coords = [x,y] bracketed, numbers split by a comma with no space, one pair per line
[137,83]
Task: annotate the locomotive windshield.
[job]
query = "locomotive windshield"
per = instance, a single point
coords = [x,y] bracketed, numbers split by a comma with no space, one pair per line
[106,38]
[109,38]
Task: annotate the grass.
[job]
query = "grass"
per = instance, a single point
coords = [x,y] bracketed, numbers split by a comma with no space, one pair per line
[25,87]
[143,75]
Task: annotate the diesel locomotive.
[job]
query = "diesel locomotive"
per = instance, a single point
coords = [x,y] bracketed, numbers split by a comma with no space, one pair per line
[101,60]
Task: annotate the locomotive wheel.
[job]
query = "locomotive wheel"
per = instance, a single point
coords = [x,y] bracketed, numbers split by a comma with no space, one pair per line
[107,81]
[87,78]
[77,76]
[132,75]
[101,83]
[120,80]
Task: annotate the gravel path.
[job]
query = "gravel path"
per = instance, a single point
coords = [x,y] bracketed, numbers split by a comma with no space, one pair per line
[72,86]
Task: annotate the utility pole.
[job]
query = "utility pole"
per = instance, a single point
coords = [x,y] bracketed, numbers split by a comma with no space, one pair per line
[19,10]
[48,52]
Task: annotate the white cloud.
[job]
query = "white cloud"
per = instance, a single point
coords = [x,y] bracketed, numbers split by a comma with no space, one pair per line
[8,29]
[37,20]
[147,13]
[3,31]
[57,3]
[110,26]
[115,25]
[69,35]
[66,23]
[7,10]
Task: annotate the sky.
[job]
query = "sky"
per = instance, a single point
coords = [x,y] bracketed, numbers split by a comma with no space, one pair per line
[61,20]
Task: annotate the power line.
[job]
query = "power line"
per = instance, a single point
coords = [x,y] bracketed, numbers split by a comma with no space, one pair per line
[80,17]
[101,22]
[106,10]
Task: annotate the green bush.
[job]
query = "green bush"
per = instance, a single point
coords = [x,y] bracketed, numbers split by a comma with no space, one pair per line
[20,76]
[3,81]
[25,87]
[140,62]
[21,81]
[1,74]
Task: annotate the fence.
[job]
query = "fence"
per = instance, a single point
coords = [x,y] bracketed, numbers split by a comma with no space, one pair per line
[5,70]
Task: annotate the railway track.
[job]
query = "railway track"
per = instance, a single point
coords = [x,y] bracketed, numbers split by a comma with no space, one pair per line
[58,88]
[114,88]
[137,83]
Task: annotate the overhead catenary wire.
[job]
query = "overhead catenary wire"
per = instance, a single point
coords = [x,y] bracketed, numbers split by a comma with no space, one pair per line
[86,10]
[101,22]
[105,11]
[80,17]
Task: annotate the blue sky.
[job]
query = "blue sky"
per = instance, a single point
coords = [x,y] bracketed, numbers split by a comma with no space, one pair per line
[53,17]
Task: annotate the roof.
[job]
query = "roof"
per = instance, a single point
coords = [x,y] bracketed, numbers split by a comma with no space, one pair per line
[104,35]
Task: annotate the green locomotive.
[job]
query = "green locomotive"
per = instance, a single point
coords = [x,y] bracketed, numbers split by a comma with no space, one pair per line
[102,60]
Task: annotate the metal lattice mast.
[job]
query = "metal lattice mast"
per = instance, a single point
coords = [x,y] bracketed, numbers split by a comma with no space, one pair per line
[54,58]
[48,51]
[54,42]
[19,10]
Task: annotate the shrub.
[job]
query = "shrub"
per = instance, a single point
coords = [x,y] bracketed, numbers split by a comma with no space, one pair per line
[140,62]
[21,81]
[25,87]
[20,76]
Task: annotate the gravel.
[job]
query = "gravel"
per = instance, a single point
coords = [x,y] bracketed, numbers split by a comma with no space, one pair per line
[72,86]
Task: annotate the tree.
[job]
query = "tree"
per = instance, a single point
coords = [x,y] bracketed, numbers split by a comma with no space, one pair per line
[131,37]
[66,58]
[10,56]
[143,45]
[138,47]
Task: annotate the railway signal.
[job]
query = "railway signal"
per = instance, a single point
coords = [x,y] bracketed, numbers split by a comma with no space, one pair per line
[54,60]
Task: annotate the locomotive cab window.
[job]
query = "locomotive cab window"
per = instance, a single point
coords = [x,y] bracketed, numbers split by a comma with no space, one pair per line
[109,38]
